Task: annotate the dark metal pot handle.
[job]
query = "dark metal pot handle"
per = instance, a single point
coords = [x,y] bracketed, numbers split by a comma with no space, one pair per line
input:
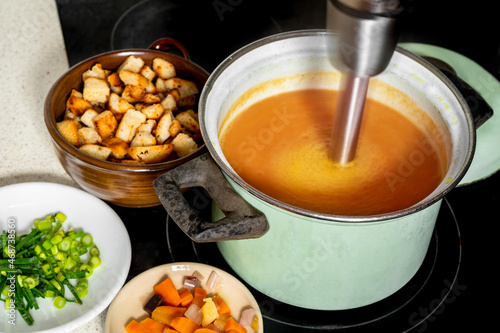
[480,109]
[242,220]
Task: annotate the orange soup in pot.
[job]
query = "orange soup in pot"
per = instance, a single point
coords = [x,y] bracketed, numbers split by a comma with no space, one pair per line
[279,145]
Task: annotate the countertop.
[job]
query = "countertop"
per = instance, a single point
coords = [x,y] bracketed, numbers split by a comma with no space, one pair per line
[32,58]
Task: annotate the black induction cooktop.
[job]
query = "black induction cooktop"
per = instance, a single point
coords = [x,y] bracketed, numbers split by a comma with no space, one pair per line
[456,286]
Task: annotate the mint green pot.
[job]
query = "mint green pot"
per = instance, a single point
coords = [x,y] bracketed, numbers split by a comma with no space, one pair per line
[304,258]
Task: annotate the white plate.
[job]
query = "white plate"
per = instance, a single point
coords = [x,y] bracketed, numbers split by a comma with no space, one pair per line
[486,161]
[26,202]
[129,302]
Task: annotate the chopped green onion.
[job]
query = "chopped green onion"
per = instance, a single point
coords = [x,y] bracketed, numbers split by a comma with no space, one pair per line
[59,302]
[95,262]
[61,217]
[94,251]
[42,262]
[87,269]
[87,240]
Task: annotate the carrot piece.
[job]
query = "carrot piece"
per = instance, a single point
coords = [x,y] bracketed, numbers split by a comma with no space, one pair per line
[153,325]
[222,306]
[186,297]
[136,327]
[167,290]
[233,325]
[204,330]
[184,325]
[165,313]
[199,295]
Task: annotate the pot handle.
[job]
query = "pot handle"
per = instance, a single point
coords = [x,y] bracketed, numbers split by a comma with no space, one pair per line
[166,44]
[480,109]
[242,220]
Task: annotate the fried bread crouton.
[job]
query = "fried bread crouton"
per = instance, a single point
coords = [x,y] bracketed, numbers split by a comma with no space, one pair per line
[184,87]
[96,71]
[127,128]
[68,128]
[184,145]
[77,105]
[133,94]
[133,79]
[163,68]
[115,83]
[151,154]
[188,122]
[148,126]
[96,90]
[132,63]
[87,118]
[143,139]
[148,73]
[105,123]
[154,111]
[89,135]
[119,148]
[118,104]
[97,151]
[175,128]
[162,130]
[169,103]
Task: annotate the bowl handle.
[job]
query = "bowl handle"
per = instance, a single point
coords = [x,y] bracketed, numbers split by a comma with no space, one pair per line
[242,221]
[166,44]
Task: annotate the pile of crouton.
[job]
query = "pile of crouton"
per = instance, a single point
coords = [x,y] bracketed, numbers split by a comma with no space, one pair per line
[138,114]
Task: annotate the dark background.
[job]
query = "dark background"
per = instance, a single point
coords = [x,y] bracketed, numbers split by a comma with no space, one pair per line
[211,30]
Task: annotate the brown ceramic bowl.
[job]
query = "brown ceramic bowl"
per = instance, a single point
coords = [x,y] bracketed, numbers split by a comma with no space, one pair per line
[120,184]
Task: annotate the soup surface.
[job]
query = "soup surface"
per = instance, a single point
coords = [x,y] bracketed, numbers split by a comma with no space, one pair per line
[280,145]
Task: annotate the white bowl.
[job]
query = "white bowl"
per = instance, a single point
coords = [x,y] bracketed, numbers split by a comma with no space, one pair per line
[129,302]
[25,202]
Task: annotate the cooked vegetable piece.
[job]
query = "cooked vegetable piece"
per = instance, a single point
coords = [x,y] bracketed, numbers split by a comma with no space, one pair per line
[166,313]
[155,301]
[208,312]
[136,327]
[153,325]
[186,297]
[222,306]
[184,325]
[233,325]
[167,290]
[199,295]
[204,330]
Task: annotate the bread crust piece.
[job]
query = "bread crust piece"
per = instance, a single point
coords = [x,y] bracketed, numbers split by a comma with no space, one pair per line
[163,68]
[184,144]
[163,127]
[97,151]
[151,154]
[68,128]
[127,128]
[105,123]
[96,90]
[132,63]
[119,148]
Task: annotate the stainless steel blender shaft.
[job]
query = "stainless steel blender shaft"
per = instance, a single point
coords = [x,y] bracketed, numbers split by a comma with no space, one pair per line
[367,32]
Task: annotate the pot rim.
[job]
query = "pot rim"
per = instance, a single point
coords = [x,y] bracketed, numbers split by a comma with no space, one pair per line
[57,138]
[426,202]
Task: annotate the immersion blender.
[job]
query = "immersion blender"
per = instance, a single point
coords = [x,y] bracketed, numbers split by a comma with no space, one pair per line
[368,33]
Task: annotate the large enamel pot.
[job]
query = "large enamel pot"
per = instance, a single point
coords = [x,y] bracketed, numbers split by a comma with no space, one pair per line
[301,257]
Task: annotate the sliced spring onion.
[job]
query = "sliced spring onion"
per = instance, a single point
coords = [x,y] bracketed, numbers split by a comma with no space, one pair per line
[87,240]
[59,302]
[43,262]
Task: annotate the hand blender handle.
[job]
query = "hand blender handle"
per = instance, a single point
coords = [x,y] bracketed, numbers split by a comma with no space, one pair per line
[368,32]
